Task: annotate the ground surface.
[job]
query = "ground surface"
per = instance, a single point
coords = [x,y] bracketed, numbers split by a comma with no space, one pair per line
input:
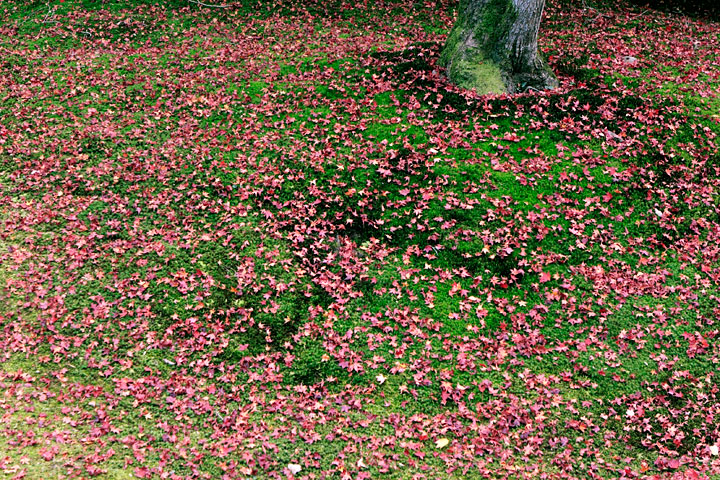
[268,241]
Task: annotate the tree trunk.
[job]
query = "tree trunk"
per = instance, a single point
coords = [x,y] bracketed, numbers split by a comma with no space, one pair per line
[493,47]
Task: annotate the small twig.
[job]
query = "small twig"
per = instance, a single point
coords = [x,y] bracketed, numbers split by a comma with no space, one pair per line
[50,10]
[585,6]
[640,14]
[599,13]
[211,6]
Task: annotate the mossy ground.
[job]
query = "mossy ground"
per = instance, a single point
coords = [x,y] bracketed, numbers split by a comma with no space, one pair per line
[330,257]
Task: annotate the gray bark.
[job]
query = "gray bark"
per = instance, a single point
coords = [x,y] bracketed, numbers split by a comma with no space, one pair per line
[493,47]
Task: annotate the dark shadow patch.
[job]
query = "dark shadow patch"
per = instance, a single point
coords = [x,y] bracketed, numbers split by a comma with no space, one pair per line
[708,9]
[415,71]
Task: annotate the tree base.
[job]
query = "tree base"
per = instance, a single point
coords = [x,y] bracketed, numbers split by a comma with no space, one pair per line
[472,70]
[542,78]
[481,76]
[493,48]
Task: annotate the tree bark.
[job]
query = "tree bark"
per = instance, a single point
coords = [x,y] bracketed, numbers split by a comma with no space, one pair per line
[493,47]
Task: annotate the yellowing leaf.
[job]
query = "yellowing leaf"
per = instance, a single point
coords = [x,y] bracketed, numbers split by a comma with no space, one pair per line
[441,442]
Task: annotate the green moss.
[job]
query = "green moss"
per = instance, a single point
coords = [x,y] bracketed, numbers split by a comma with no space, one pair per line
[470,53]
[481,75]
[451,46]
[311,364]
[39,411]
[497,18]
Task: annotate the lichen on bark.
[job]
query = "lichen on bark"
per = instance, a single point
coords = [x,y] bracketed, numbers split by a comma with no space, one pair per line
[493,47]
